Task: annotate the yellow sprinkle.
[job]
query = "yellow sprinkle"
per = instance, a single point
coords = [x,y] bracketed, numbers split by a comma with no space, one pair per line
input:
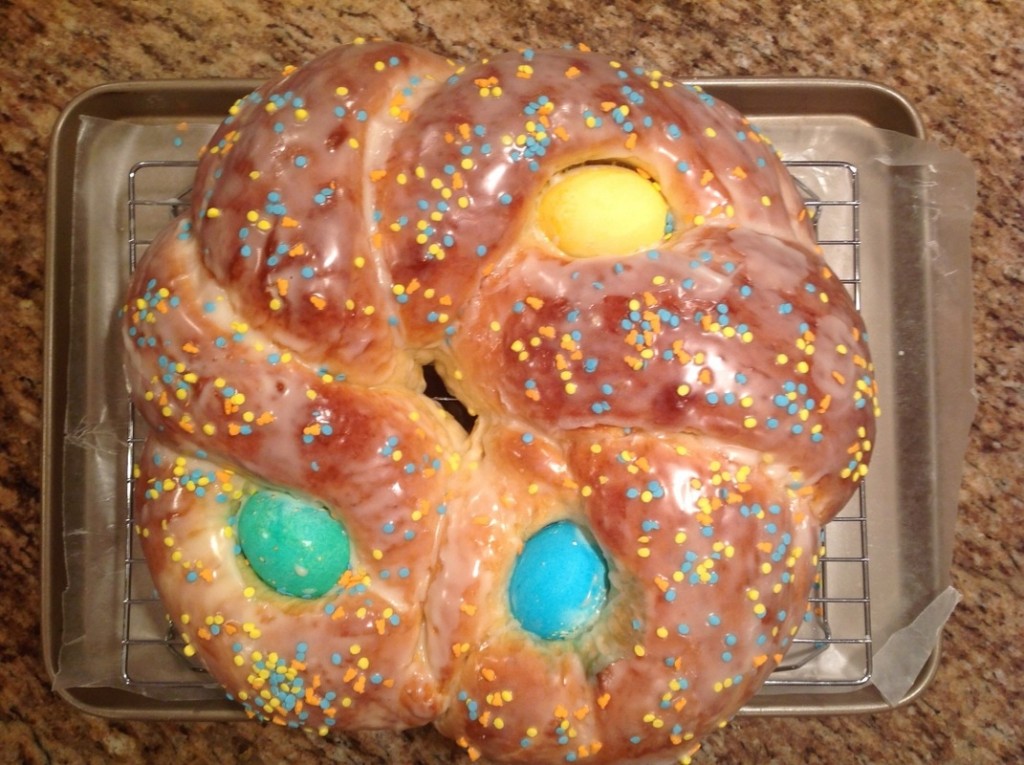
[766,201]
[639,650]
[213,212]
[249,592]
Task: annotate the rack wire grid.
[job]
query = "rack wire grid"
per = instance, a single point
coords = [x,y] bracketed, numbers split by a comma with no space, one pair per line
[833,646]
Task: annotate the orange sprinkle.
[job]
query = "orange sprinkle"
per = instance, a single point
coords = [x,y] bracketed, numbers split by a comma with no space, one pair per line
[287,222]
[571,72]
[377,175]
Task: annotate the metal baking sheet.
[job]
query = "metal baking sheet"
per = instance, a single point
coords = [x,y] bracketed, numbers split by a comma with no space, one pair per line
[84,474]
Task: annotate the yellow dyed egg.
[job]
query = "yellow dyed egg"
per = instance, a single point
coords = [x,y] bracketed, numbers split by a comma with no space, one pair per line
[595,210]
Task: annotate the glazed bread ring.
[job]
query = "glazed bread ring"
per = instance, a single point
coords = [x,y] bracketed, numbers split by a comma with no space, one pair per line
[613,272]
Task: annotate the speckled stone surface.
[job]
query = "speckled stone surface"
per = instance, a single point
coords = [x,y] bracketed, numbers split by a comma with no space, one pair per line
[960,63]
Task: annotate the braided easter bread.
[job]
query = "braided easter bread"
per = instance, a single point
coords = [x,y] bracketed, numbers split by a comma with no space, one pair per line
[615,275]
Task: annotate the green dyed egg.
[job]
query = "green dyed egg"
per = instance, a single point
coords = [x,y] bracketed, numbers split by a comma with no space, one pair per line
[295,547]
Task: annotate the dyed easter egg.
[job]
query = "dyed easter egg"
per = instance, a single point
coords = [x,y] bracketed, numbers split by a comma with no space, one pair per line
[559,583]
[297,548]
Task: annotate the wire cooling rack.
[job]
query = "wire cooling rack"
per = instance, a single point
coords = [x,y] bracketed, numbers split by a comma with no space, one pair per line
[832,648]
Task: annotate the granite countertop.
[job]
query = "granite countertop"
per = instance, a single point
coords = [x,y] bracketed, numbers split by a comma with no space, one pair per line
[961,64]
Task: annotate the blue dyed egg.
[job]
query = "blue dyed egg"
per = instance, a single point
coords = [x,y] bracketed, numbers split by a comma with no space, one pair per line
[295,547]
[559,583]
